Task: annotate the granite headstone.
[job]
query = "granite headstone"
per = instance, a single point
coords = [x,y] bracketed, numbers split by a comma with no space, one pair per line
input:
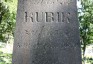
[47,32]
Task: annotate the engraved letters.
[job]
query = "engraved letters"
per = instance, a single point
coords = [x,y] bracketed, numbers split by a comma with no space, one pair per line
[50,1]
[47,17]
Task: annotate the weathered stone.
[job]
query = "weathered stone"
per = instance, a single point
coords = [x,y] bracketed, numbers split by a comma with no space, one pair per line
[47,32]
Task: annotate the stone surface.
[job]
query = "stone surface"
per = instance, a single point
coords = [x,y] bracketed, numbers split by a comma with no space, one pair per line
[47,32]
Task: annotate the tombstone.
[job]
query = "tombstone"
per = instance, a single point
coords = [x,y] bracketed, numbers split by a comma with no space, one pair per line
[47,32]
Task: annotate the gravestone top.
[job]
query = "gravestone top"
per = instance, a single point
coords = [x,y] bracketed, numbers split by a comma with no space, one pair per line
[47,32]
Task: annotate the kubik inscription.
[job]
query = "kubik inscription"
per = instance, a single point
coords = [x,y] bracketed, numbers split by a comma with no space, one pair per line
[47,32]
[47,17]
